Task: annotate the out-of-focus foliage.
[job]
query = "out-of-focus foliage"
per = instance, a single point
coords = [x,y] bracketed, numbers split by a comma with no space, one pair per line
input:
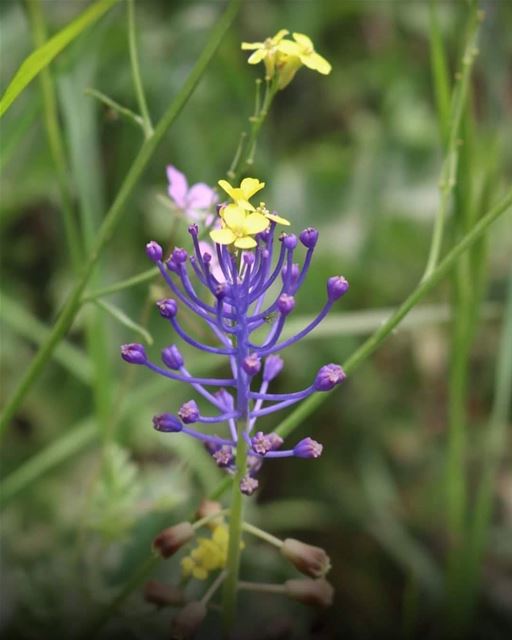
[357,154]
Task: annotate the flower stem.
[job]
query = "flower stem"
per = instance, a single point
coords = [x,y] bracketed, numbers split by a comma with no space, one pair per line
[235,534]
[263,535]
[137,80]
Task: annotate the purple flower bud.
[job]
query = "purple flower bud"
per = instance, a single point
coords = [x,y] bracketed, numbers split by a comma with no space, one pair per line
[189,412]
[248,485]
[224,456]
[264,236]
[275,441]
[193,230]
[272,368]
[134,353]
[167,423]
[251,364]
[179,255]
[167,307]
[154,251]
[221,290]
[308,448]
[336,287]
[172,265]
[207,257]
[309,237]
[293,276]
[285,304]
[328,377]
[289,240]
[261,443]
[225,398]
[248,258]
[254,464]
[172,357]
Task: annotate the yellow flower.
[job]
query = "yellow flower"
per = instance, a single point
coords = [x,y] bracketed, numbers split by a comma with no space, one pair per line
[238,227]
[304,49]
[210,554]
[268,51]
[248,187]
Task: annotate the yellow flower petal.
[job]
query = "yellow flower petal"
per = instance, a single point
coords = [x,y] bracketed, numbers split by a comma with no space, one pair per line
[316,62]
[249,46]
[246,242]
[255,223]
[278,219]
[224,184]
[280,35]
[289,48]
[257,56]
[235,218]
[222,236]
[304,41]
[250,186]
[199,573]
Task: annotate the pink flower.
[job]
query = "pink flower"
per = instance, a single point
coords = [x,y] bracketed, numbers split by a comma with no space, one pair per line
[196,201]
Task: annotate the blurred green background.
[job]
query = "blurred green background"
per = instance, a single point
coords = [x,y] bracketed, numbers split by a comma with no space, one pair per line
[358,154]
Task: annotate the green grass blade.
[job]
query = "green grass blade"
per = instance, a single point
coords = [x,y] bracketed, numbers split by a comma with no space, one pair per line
[440,73]
[41,57]
[126,321]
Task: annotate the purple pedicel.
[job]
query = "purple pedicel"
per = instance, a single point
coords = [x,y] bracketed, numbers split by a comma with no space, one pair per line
[226,291]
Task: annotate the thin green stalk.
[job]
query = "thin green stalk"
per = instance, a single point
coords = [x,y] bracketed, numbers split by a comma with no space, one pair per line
[493,454]
[449,169]
[137,80]
[425,286]
[114,215]
[55,139]
[236,516]
[440,73]
[116,107]
[149,274]
[262,535]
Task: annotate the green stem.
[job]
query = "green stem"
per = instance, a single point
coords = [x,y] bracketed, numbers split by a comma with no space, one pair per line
[449,168]
[149,274]
[118,108]
[114,215]
[55,139]
[262,535]
[424,287]
[235,534]
[137,80]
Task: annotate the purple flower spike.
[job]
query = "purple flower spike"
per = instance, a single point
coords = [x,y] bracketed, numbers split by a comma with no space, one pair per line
[248,485]
[167,423]
[172,357]
[272,368]
[285,304]
[168,308]
[154,251]
[251,364]
[328,377]
[308,448]
[261,443]
[336,287]
[189,412]
[309,237]
[134,353]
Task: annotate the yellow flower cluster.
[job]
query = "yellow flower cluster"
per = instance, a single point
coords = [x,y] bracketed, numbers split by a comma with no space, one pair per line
[283,58]
[240,220]
[209,554]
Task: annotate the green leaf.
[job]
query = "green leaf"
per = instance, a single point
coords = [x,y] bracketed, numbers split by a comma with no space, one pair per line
[125,320]
[41,57]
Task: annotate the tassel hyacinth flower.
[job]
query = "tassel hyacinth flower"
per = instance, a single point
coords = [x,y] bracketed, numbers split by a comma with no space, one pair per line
[233,305]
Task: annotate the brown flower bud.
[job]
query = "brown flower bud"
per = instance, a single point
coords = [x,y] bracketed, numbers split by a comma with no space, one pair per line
[188,620]
[209,508]
[163,595]
[314,593]
[310,560]
[170,540]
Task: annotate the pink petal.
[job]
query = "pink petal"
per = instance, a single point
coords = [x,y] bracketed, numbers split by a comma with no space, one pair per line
[215,269]
[178,186]
[201,196]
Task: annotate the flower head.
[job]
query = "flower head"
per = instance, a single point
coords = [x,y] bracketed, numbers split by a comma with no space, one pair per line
[304,49]
[239,227]
[242,194]
[266,52]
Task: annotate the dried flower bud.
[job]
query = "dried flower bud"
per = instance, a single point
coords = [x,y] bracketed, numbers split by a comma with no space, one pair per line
[172,357]
[173,538]
[209,508]
[336,287]
[134,353]
[328,377]
[163,595]
[224,456]
[248,485]
[314,593]
[167,423]
[188,620]
[167,307]
[154,251]
[189,412]
[309,560]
